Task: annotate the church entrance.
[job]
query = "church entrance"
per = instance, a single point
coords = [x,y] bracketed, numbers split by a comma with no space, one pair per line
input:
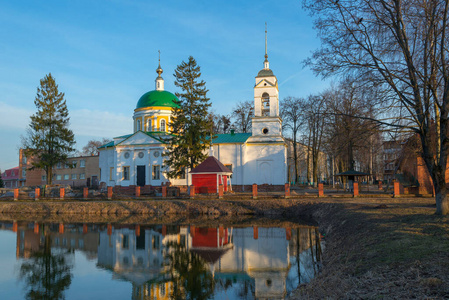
[140,175]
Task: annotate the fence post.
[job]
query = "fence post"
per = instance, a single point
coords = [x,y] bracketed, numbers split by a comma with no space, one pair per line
[85,193]
[192,191]
[254,191]
[287,190]
[61,228]
[396,189]
[109,192]
[220,191]
[356,189]
[320,190]
[137,191]
[37,194]
[380,185]
[164,191]
[61,193]
[16,194]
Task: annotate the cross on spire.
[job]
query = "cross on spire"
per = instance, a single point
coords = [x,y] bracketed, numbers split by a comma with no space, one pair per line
[266,65]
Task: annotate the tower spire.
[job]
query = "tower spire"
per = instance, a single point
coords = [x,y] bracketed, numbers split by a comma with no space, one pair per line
[159,79]
[266,64]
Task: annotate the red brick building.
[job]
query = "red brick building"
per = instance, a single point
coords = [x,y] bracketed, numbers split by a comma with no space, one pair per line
[11,178]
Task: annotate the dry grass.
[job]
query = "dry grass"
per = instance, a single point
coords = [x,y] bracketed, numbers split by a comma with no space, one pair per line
[398,251]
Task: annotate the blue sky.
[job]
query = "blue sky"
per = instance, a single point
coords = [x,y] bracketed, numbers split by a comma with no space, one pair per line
[103,55]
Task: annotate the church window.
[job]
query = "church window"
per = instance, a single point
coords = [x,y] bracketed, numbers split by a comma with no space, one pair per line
[111,171]
[265,130]
[265,104]
[149,125]
[140,155]
[125,172]
[138,125]
[162,125]
[126,155]
[156,172]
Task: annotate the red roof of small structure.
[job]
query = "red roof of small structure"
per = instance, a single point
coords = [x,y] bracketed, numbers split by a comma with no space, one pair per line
[211,165]
[11,174]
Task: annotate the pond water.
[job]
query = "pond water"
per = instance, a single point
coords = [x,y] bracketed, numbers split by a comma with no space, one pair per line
[117,261]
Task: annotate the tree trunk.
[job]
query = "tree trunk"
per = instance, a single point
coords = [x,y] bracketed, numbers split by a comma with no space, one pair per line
[49,173]
[441,199]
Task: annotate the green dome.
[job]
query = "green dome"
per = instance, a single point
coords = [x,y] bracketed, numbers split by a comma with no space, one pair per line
[157,98]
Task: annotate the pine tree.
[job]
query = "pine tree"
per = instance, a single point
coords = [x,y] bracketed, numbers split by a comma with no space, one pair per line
[49,140]
[189,123]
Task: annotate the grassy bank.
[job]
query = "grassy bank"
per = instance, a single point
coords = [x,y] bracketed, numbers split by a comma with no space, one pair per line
[387,251]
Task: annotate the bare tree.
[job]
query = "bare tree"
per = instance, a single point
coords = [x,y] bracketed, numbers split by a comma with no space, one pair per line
[315,120]
[242,115]
[91,149]
[401,46]
[292,114]
[220,123]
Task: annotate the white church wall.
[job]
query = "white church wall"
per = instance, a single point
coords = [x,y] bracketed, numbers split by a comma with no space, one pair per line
[231,154]
[265,164]
[274,126]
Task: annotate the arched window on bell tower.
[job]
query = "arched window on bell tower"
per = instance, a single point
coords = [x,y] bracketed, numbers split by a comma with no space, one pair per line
[149,125]
[138,125]
[265,105]
[162,125]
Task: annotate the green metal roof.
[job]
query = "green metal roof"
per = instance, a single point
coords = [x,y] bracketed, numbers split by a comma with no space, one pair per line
[265,72]
[157,98]
[110,144]
[236,138]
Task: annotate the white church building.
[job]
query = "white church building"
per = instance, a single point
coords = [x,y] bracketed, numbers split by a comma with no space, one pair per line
[259,157]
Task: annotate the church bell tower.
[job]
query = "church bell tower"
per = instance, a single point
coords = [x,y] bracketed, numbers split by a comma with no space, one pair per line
[266,123]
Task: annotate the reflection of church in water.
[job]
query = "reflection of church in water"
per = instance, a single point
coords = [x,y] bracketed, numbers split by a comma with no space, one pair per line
[255,262]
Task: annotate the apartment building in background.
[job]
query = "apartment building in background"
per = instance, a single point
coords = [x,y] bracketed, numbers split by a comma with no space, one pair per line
[79,171]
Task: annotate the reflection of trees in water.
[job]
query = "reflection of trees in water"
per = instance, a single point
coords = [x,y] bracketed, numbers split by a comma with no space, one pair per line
[307,258]
[46,274]
[189,273]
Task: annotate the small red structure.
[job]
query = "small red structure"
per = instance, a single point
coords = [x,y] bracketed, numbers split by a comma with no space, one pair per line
[208,176]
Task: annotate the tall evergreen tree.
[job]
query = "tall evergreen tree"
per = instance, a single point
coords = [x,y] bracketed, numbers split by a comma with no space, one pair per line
[49,140]
[189,123]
